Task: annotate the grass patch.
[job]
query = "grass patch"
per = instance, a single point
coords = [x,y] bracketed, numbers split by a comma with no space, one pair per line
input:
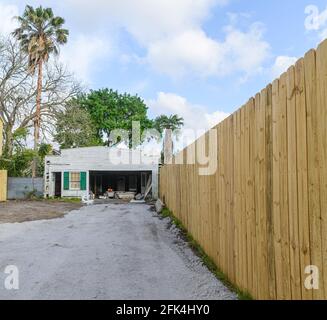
[67,200]
[207,261]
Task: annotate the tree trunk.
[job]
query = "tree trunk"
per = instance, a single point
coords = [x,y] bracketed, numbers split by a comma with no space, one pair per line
[168,147]
[1,137]
[37,121]
[9,141]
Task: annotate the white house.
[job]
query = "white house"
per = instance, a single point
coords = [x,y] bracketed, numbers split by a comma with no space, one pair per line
[76,172]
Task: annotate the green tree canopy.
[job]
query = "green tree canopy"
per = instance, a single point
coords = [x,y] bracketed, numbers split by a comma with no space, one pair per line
[110,110]
[18,164]
[173,122]
[75,127]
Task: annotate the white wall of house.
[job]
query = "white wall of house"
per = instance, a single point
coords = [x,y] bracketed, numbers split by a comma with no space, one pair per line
[97,159]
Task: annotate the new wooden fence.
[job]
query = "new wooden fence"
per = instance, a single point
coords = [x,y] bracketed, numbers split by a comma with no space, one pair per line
[262,217]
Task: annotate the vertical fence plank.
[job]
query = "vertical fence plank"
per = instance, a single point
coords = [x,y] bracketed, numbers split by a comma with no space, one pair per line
[269,191]
[322,150]
[237,202]
[242,198]
[292,185]
[276,177]
[283,186]
[232,190]
[227,239]
[258,194]
[248,196]
[251,199]
[262,190]
[302,175]
[236,254]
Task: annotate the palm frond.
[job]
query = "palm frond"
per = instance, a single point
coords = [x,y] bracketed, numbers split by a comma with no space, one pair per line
[40,34]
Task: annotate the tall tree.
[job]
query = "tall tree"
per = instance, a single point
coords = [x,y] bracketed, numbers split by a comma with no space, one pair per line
[168,125]
[40,34]
[75,127]
[110,110]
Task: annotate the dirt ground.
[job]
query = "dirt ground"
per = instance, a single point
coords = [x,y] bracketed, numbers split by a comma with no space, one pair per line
[109,251]
[21,211]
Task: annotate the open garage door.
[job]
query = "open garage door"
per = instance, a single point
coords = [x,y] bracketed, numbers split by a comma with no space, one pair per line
[119,181]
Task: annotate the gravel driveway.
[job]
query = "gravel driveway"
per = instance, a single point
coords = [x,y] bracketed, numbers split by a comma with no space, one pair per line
[122,251]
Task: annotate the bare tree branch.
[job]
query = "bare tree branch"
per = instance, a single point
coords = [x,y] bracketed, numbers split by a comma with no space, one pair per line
[18,92]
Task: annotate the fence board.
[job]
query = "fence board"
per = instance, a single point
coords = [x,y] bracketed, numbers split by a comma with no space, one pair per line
[276,180]
[302,175]
[322,149]
[292,185]
[313,169]
[269,192]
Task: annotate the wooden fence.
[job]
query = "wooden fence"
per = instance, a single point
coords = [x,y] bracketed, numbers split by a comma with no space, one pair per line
[3,185]
[262,217]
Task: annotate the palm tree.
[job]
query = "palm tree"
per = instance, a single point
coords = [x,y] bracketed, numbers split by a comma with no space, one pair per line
[40,34]
[168,125]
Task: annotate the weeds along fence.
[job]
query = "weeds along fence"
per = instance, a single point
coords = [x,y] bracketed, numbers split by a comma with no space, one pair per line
[262,216]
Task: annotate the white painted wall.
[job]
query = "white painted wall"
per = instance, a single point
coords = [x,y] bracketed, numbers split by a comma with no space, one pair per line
[98,159]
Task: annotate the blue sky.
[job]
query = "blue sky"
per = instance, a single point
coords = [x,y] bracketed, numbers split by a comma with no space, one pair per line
[201,59]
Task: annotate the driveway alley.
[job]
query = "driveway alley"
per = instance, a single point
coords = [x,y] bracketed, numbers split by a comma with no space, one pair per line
[107,251]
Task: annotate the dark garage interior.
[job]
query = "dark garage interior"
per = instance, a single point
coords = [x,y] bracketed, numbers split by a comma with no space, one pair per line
[123,181]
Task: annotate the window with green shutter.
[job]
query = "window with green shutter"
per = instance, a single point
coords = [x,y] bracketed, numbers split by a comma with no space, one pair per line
[83,181]
[66,180]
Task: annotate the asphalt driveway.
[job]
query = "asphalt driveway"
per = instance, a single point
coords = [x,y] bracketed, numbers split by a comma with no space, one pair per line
[110,251]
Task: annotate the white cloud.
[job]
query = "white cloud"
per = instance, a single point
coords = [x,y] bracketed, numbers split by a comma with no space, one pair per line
[83,53]
[282,63]
[197,118]
[246,51]
[148,20]
[216,117]
[188,52]
[194,52]
[172,34]
[7,21]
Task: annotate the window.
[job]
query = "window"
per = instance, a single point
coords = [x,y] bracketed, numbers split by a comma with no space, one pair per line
[75,181]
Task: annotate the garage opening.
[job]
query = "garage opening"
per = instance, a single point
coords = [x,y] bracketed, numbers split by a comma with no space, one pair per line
[119,181]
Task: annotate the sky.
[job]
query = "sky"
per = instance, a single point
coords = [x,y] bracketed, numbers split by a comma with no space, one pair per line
[201,59]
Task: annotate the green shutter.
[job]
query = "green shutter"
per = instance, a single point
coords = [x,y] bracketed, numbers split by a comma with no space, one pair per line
[66,180]
[83,181]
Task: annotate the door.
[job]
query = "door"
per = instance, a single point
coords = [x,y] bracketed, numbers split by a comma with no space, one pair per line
[57,177]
